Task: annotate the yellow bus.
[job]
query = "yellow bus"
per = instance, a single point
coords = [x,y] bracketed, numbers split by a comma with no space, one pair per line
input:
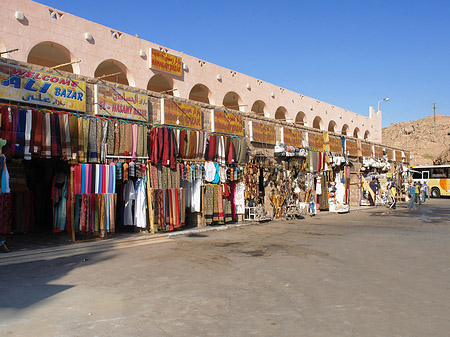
[437,178]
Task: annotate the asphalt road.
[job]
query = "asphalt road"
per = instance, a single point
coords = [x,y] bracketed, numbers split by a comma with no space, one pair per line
[371,273]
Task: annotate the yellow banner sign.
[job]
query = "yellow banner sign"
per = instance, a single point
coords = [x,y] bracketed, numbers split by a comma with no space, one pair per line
[398,156]
[165,62]
[263,133]
[225,122]
[37,87]
[315,141]
[121,103]
[175,113]
[366,150]
[335,145]
[351,147]
[292,137]
[390,154]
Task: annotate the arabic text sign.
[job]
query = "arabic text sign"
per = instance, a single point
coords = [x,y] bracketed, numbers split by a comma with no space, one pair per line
[335,145]
[120,103]
[36,87]
[378,152]
[228,123]
[352,149]
[398,156]
[315,141]
[263,133]
[390,154]
[165,62]
[182,114]
[292,137]
[366,150]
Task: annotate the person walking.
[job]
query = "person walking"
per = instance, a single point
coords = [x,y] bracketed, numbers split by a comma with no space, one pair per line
[393,191]
[412,195]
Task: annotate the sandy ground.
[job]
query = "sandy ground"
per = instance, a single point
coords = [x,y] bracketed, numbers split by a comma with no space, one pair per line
[368,273]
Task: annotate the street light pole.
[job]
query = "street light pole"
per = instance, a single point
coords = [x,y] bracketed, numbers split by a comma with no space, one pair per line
[383,100]
[434,114]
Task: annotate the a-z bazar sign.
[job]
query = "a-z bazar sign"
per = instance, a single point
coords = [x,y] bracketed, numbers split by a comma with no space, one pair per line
[225,122]
[36,87]
[175,113]
[292,137]
[168,63]
[120,103]
[262,133]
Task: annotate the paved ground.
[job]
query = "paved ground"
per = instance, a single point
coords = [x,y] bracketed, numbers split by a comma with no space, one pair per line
[368,273]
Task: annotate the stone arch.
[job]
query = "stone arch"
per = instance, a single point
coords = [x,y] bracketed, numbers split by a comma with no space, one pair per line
[344,130]
[233,101]
[111,66]
[367,135]
[260,108]
[317,123]
[200,93]
[332,126]
[356,132]
[160,83]
[50,54]
[301,118]
[280,113]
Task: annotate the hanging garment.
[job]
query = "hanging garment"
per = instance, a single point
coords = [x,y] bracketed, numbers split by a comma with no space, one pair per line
[20,133]
[28,127]
[210,171]
[134,129]
[239,198]
[129,194]
[4,175]
[7,128]
[92,141]
[140,209]
[110,138]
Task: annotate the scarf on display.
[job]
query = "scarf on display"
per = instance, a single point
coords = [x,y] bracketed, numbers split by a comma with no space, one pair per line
[7,128]
[122,139]
[19,148]
[73,130]
[92,141]
[110,140]
[95,213]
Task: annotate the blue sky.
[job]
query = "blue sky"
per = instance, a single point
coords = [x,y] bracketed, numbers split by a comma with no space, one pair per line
[350,53]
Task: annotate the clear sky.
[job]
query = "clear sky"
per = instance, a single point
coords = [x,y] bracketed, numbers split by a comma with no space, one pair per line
[350,53]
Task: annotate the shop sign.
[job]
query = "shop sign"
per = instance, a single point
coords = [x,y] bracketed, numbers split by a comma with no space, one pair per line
[366,150]
[37,87]
[378,152]
[352,149]
[225,122]
[407,157]
[262,133]
[390,154]
[292,137]
[166,62]
[335,145]
[398,156]
[181,114]
[120,103]
[315,141]
[326,141]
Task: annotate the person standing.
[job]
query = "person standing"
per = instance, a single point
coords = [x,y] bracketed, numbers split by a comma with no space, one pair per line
[424,191]
[417,194]
[412,195]
[373,196]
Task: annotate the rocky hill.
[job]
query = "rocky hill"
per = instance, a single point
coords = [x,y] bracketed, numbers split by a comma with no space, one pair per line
[425,146]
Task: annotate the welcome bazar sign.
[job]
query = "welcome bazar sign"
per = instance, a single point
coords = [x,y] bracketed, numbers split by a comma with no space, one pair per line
[36,87]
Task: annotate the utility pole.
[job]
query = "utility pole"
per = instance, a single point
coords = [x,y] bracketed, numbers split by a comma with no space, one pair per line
[434,114]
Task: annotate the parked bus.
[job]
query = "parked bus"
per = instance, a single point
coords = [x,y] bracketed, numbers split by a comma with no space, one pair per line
[437,178]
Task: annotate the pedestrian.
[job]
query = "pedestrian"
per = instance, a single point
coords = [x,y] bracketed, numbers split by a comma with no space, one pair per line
[417,193]
[393,191]
[424,191]
[412,195]
[373,195]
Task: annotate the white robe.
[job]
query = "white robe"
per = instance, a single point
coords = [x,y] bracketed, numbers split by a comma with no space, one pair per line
[140,205]
[129,194]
